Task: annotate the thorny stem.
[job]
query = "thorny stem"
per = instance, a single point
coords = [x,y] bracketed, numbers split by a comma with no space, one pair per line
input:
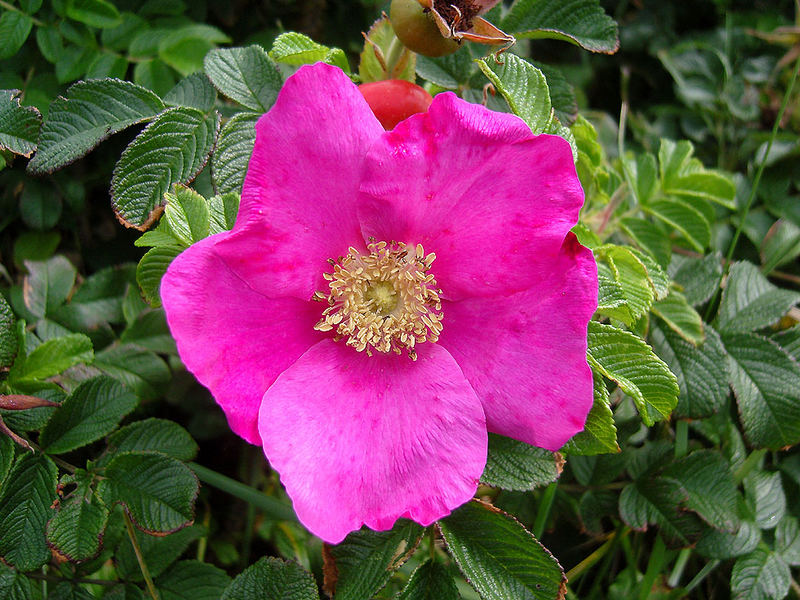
[756,182]
[139,557]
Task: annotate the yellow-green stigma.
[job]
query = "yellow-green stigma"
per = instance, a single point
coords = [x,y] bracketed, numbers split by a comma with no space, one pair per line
[384,301]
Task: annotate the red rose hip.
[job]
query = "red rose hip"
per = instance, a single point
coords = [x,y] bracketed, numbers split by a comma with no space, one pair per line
[394,100]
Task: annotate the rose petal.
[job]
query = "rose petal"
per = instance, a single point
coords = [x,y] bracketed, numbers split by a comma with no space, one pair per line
[299,195]
[367,440]
[235,340]
[492,200]
[525,355]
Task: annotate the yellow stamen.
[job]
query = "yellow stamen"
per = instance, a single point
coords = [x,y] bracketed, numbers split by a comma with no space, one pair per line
[384,301]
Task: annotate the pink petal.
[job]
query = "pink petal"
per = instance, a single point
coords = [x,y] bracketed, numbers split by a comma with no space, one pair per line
[299,195]
[367,440]
[492,200]
[235,340]
[525,355]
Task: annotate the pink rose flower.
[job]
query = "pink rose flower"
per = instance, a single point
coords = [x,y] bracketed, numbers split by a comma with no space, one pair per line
[386,297]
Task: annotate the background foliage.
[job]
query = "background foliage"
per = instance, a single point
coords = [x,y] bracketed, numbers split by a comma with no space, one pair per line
[682,484]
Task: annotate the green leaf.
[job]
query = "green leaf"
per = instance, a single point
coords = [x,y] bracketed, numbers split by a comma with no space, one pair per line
[701,371]
[599,435]
[53,357]
[685,218]
[764,492]
[94,13]
[192,580]
[24,510]
[682,175]
[499,557]
[430,581]
[246,75]
[273,578]
[194,91]
[19,125]
[366,559]
[126,591]
[751,302]
[721,545]
[8,335]
[157,491]
[234,147]
[223,209]
[154,435]
[92,411]
[706,476]
[761,575]
[524,87]
[76,530]
[657,501]
[764,379]
[515,465]
[448,72]
[650,237]
[626,359]
[142,371]
[184,49]
[378,45]
[629,281]
[172,149]
[14,29]
[780,246]
[699,277]
[159,551]
[14,585]
[91,111]
[297,49]
[150,331]
[67,590]
[152,268]
[155,75]
[187,214]
[580,22]
[6,457]
[679,316]
[39,205]
[98,300]
[47,284]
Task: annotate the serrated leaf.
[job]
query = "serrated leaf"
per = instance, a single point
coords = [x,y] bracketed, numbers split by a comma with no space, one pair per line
[766,497]
[172,149]
[599,435]
[685,218]
[699,277]
[430,581]
[24,510]
[14,585]
[366,559]
[751,302]
[223,209]
[246,75]
[91,111]
[76,530]
[232,154]
[126,591]
[150,331]
[93,410]
[8,335]
[6,457]
[448,72]
[152,268]
[682,175]
[721,545]
[194,91]
[142,371]
[378,44]
[781,245]
[47,284]
[764,380]
[273,578]
[97,301]
[499,557]
[187,214]
[515,465]
[157,491]
[154,435]
[629,361]
[524,87]
[19,125]
[761,575]
[14,30]
[650,237]
[158,551]
[192,580]
[297,49]
[679,316]
[657,501]
[701,371]
[631,279]
[706,476]
[53,357]
[580,22]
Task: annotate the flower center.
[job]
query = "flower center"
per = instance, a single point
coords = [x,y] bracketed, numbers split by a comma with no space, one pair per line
[386,301]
